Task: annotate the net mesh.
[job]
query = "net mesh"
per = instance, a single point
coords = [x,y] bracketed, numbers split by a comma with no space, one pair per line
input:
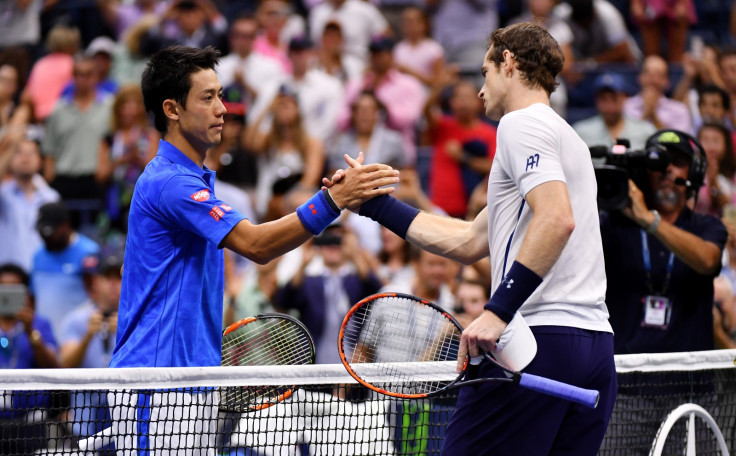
[176,411]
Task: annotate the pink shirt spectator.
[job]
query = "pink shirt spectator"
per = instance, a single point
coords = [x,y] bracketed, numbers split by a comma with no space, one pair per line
[404,98]
[671,113]
[266,49]
[421,57]
[49,76]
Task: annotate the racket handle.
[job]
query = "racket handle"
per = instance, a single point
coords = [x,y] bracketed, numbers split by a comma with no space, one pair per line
[582,396]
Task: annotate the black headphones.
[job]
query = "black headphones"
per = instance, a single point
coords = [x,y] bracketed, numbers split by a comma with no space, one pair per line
[693,149]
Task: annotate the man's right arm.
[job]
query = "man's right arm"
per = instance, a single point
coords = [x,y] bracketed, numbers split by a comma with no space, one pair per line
[461,240]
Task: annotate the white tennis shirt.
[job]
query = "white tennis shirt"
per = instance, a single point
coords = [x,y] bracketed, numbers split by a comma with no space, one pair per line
[534,146]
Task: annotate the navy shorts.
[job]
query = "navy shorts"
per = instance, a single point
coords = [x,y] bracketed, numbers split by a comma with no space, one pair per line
[497,418]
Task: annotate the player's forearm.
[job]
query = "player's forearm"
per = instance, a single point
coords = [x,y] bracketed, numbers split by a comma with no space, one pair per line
[262,243]
[460,240]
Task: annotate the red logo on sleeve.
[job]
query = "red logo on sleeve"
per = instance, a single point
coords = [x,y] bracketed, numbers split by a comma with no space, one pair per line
[202,195]
[216,213]
[226,207]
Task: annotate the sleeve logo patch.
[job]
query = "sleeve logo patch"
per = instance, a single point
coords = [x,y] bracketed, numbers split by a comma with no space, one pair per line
[532,162]
[226,207]
[202,195]
[216,213]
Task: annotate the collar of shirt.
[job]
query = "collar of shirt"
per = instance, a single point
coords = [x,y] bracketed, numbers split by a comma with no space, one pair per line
[173,154]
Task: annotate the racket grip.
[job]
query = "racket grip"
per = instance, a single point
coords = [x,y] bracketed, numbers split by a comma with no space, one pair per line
[586,397]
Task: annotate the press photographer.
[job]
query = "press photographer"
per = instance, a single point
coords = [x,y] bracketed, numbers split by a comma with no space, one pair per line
[661,257]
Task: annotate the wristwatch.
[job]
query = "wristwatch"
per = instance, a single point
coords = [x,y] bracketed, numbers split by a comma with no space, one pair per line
[36,338]
[655,223]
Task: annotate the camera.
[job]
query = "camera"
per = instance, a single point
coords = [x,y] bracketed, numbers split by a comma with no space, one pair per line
[620,163]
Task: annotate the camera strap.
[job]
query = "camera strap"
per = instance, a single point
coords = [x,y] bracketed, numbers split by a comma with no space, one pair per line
[648,265]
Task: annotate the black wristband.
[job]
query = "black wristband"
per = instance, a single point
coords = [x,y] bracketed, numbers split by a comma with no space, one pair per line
[519,283]
[331,201]
[390,212]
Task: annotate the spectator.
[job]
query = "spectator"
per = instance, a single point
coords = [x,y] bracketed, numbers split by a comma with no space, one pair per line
[132,55]
[599,31]
[714,106]
[360,22]
[401,94]
[368,133]
[611,124]
[243,68]
[651,104]
[724,313]
[57,271]
[101,50]
[431,279]
[654,16]
[72,137]
[720,187]
[664,302]
[235,165]
[122,16]
[471,294]
[251,292]
[727,66]
[418,54]
[324,292]
[697,74]
[278,27]
[464,146]
[320,95]
[21,24]
[50,74]
[195,23]
[333,59]
[123,153]
[88,338]
[20,198]
[27,343]
[461,27]
[285,150]
[394,263]
[9,84]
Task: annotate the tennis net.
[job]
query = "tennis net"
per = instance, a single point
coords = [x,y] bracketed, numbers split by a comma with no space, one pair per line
[99,411]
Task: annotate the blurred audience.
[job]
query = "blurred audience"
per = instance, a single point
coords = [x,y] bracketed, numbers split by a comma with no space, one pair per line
[124,15]
[57,270]
[418,54]
[652,104]
[279,25]
[668,18]
[471,294]
[21,196]
[611,124]
[464,145]
[124,153]
[196,23]
[332,58]
[719,188]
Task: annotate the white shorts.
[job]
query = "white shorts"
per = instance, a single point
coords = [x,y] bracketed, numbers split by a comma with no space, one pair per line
[164,423]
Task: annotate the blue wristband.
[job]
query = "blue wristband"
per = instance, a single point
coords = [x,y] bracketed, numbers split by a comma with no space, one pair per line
[317,213]
[519,283]
[390,212]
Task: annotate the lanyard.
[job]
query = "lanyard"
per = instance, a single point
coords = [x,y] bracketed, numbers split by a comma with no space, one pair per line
[648,265]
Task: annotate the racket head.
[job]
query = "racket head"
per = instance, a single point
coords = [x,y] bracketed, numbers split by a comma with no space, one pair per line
[400,345]
[264,340]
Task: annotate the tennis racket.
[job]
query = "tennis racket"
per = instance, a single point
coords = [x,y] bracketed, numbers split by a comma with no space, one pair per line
[403,346]
[266,339]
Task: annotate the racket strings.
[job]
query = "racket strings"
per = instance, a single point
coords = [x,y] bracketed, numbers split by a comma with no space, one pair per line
[265,341]
[402,342]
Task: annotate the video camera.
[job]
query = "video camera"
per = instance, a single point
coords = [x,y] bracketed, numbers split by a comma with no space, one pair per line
[621,164]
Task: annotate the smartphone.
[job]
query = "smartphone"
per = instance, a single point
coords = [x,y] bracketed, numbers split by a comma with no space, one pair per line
[12,299]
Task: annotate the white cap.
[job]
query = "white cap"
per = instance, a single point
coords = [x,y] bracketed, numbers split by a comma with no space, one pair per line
[100,44]
[517,346]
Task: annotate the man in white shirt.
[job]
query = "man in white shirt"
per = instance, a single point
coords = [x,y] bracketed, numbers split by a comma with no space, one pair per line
[541,229]
[20,198]
[360,22]
[244,67]
[320,95]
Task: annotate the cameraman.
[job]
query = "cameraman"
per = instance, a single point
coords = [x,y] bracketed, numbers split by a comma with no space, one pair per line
[661,257]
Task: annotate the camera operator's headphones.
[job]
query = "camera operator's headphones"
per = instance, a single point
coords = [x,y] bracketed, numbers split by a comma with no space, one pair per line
[679,141]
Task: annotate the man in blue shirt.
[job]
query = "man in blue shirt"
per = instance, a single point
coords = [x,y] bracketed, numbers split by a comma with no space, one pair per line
[170,311]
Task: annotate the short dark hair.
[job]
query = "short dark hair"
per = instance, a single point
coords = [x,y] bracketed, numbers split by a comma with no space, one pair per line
[11,268]
[537,55]
[714,89]
[168,77]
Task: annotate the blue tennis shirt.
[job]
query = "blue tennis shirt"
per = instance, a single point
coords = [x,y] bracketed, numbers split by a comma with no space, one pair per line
[170,310]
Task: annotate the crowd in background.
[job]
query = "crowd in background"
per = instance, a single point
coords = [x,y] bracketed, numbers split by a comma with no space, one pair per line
[305,82]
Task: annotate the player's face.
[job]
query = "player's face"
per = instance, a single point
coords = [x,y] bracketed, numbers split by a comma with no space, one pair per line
[202,120]
[493,92]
